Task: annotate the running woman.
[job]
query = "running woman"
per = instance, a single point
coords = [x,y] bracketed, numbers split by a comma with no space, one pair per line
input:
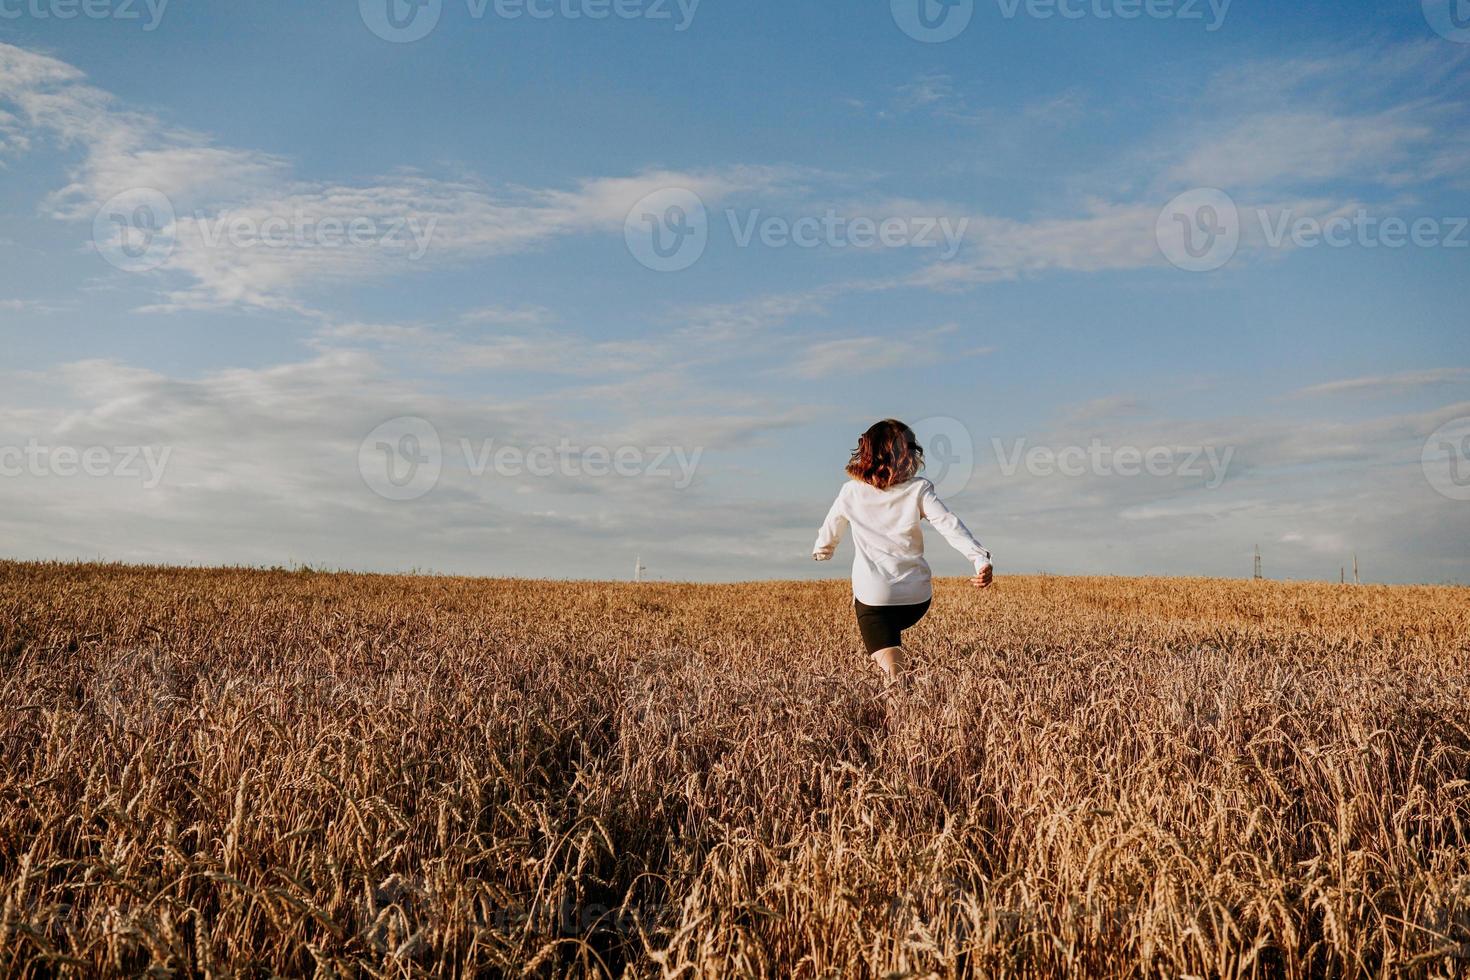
[883,504]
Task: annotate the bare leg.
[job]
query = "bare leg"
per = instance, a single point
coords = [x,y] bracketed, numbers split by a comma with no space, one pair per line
[891,660]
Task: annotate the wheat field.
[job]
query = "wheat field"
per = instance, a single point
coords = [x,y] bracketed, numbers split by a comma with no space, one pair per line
[210,772]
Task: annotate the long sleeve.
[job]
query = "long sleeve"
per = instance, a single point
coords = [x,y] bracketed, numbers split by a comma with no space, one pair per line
[831,532]
[953,529]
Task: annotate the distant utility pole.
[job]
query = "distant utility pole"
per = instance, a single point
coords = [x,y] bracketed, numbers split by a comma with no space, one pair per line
[638,568]
[1258,562]
[1356,580]
[1341,574]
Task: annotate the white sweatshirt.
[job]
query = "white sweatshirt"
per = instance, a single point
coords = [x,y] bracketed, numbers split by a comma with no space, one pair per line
[888,566]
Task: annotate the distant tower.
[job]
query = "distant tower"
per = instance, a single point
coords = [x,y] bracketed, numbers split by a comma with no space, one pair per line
[638,568]
[1258,562]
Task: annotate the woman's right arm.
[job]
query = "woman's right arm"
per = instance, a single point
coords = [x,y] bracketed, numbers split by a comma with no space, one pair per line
[831,532]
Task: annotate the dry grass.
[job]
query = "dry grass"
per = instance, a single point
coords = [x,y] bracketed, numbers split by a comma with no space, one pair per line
[271,772]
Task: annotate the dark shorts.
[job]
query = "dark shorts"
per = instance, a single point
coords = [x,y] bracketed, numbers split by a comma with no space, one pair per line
[882,626]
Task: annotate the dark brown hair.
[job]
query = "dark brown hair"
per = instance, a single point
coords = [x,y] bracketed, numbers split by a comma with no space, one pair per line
[886,455]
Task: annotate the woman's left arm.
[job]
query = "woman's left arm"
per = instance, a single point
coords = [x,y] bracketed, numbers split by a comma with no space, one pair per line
[946,523]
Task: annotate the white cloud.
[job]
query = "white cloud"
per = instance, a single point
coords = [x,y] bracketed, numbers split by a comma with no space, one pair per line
[743,319]
[36,306]
[1110,407]
[936,94]
[1265,132]
[552,351]
[524,316]
[1401,381]
[265,458]
[1267,149]
[855,355]
[411,220]
[1273,137]
[1337,486]
[121,149]
[864,355]
[1109,237]
[249,233]
[1365,114]
[263,467]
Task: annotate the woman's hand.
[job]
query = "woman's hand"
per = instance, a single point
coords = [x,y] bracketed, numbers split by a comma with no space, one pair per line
[983,578]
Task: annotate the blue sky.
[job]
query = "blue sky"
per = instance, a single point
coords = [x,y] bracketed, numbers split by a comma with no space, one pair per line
[1310,397]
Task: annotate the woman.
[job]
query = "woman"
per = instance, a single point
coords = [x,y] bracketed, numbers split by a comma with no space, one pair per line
[883,503]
